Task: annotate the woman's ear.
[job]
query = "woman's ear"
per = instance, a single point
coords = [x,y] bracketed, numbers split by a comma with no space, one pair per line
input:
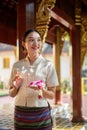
[23,45]
[24,48]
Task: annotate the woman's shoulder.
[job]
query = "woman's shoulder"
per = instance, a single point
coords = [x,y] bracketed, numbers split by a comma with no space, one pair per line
[47,61]
[20,62]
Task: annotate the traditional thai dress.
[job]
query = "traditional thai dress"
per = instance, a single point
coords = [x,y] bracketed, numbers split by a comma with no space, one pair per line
[32,113]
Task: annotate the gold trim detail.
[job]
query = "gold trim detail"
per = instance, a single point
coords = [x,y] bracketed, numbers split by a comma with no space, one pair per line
[43,16]
[83,37]
[78,12]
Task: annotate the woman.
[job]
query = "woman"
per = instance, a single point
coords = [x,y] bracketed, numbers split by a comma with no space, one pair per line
[32,110]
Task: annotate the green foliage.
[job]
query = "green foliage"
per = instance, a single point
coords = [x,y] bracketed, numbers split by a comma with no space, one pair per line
[66,88]
[1,85]
[67,37]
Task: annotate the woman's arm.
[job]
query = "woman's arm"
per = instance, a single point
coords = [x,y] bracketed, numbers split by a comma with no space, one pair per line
[49,93]
[12,90]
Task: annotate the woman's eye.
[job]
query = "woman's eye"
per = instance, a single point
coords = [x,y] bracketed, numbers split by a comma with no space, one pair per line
[39,40]
[31,40]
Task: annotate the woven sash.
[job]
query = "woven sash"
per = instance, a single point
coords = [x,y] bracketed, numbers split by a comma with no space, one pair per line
[26,118]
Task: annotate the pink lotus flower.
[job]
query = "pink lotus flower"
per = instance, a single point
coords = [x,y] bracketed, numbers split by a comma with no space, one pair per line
[40,84]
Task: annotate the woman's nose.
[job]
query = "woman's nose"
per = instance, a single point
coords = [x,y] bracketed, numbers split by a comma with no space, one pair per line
[35,42]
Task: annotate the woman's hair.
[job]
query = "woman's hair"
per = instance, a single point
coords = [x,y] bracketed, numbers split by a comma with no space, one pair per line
[28,32]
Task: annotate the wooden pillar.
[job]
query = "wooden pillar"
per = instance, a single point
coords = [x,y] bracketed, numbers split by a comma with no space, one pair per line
[21,24]
[76,64]
[24,20]
[56,52]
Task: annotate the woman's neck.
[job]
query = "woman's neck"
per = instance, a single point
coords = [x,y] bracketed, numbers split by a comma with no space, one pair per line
[32,59]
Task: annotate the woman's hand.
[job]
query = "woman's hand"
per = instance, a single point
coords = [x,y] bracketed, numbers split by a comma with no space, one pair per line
[17,81]
[34,87]
[37,85]
[15,85]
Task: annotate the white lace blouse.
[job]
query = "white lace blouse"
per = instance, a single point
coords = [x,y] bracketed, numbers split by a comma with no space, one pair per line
[42,69]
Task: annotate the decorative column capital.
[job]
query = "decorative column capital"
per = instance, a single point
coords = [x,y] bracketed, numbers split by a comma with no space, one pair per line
[43,16]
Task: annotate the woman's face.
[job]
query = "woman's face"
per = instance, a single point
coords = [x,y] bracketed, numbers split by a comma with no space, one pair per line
[33,44]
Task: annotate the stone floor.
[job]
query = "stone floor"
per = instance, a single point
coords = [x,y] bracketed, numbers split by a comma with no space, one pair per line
[6,113]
